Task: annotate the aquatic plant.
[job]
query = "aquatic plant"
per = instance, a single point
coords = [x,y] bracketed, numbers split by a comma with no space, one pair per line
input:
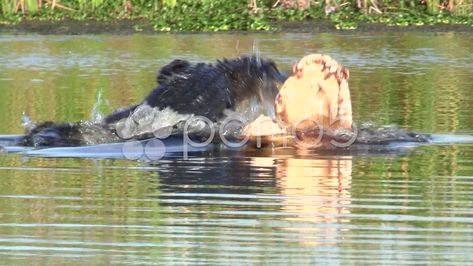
[170,3]
[217,15]
[24,6]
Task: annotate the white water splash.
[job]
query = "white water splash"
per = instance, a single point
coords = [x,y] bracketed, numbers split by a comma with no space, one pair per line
[95,115]
[146,119]
[27,123]
[256,51]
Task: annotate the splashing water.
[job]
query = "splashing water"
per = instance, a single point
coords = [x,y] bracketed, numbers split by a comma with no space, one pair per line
[96,116]
[146,119]
[256,51]
[26,122]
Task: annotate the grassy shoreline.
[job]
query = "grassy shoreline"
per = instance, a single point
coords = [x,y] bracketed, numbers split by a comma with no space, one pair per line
[221,15]
[127,26]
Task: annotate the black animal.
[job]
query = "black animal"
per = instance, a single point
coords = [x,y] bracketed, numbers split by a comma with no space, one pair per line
[200,89]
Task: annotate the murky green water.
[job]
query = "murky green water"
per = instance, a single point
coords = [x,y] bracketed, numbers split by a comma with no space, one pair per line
[414,207]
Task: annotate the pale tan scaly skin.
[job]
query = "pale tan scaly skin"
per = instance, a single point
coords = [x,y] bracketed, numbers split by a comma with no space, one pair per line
[315,97]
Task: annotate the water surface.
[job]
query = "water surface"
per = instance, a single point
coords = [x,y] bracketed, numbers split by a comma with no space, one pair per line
[414,206]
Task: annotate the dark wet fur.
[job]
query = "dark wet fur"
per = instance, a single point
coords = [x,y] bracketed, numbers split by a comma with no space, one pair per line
[208,90]
[54,134]
[200,89]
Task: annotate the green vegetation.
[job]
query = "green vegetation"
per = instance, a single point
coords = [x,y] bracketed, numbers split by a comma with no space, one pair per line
[218,15]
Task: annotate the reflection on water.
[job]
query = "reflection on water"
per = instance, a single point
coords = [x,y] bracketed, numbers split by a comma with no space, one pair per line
[285,209]
[317,191]
[271,207]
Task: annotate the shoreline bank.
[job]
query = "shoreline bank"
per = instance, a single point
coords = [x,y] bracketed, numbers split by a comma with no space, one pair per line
[75,27]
